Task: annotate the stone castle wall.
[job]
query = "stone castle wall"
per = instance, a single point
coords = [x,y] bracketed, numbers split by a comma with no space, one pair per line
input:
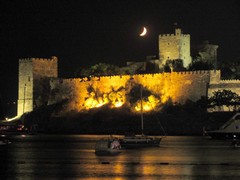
[34,74]
[25,86]
[39,85]
[45,67]
[232,85]
[84,93]
[217,84]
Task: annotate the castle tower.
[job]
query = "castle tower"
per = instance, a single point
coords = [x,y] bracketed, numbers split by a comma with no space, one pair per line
[33,83]
[175,46]
[208,53]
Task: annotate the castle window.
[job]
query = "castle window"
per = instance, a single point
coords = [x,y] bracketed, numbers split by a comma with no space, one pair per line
[168,43]
[29,78]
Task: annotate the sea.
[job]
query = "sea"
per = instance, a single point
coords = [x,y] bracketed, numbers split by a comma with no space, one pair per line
[73,157]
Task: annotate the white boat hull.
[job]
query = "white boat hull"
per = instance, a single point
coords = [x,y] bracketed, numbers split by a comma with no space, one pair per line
[140,141]
[229,130]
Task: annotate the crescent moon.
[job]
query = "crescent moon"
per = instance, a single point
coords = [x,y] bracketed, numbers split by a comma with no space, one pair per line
[144,32]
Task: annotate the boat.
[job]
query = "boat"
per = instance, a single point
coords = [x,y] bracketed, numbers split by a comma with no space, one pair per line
[135,141]
[142,140]
[229,130]
[108,146]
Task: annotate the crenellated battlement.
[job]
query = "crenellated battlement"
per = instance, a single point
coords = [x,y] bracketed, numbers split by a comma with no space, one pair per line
[54,58]
[116,77]
[173,35]
[230,81]
[166,35]
[98,78]
[191,72]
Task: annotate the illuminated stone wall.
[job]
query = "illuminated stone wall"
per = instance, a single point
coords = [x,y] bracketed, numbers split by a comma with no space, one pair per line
[217,84]
[33,82]
[84,93]
[25,86]
[39,85]
[175,46]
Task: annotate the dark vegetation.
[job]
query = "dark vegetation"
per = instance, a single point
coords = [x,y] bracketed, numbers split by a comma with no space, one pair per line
[188,119]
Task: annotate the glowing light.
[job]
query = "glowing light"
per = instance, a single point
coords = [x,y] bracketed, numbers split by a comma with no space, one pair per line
[146,107]
[115,99]
[148,104]
[118,104]
[12,119]
[114,91]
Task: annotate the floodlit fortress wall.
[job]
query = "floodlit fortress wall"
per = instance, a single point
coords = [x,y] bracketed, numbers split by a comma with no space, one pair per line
[86,93]
[218,84]
[39,85]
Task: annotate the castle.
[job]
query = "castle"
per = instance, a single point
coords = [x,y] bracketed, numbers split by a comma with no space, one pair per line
[33,79]
[175,46]
[39,83]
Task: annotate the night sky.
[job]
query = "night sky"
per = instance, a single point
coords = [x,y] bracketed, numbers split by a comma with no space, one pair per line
[83,33]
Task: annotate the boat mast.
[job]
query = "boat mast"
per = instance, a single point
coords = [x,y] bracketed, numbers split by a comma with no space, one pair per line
[141,111]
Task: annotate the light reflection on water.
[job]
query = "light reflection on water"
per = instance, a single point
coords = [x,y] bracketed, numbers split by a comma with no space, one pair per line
[73,157]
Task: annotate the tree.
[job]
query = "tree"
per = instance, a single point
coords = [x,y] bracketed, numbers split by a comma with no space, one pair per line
[174,65]
[224,98]
[230,70]
[101,69]
[199,65]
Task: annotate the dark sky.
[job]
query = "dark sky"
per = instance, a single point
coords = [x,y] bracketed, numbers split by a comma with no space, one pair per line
[82,33]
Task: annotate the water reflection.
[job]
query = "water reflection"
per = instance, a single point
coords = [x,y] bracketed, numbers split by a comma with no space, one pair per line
[58,157]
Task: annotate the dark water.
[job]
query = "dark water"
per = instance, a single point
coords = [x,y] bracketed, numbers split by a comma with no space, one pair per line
[73,157]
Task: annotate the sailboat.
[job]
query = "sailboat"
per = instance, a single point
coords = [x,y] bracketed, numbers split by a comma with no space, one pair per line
[135,141]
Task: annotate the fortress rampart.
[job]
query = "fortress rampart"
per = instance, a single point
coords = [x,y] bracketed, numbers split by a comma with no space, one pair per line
[219,85]
[85,93]
[173,35]
[232,85]
[39,84]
